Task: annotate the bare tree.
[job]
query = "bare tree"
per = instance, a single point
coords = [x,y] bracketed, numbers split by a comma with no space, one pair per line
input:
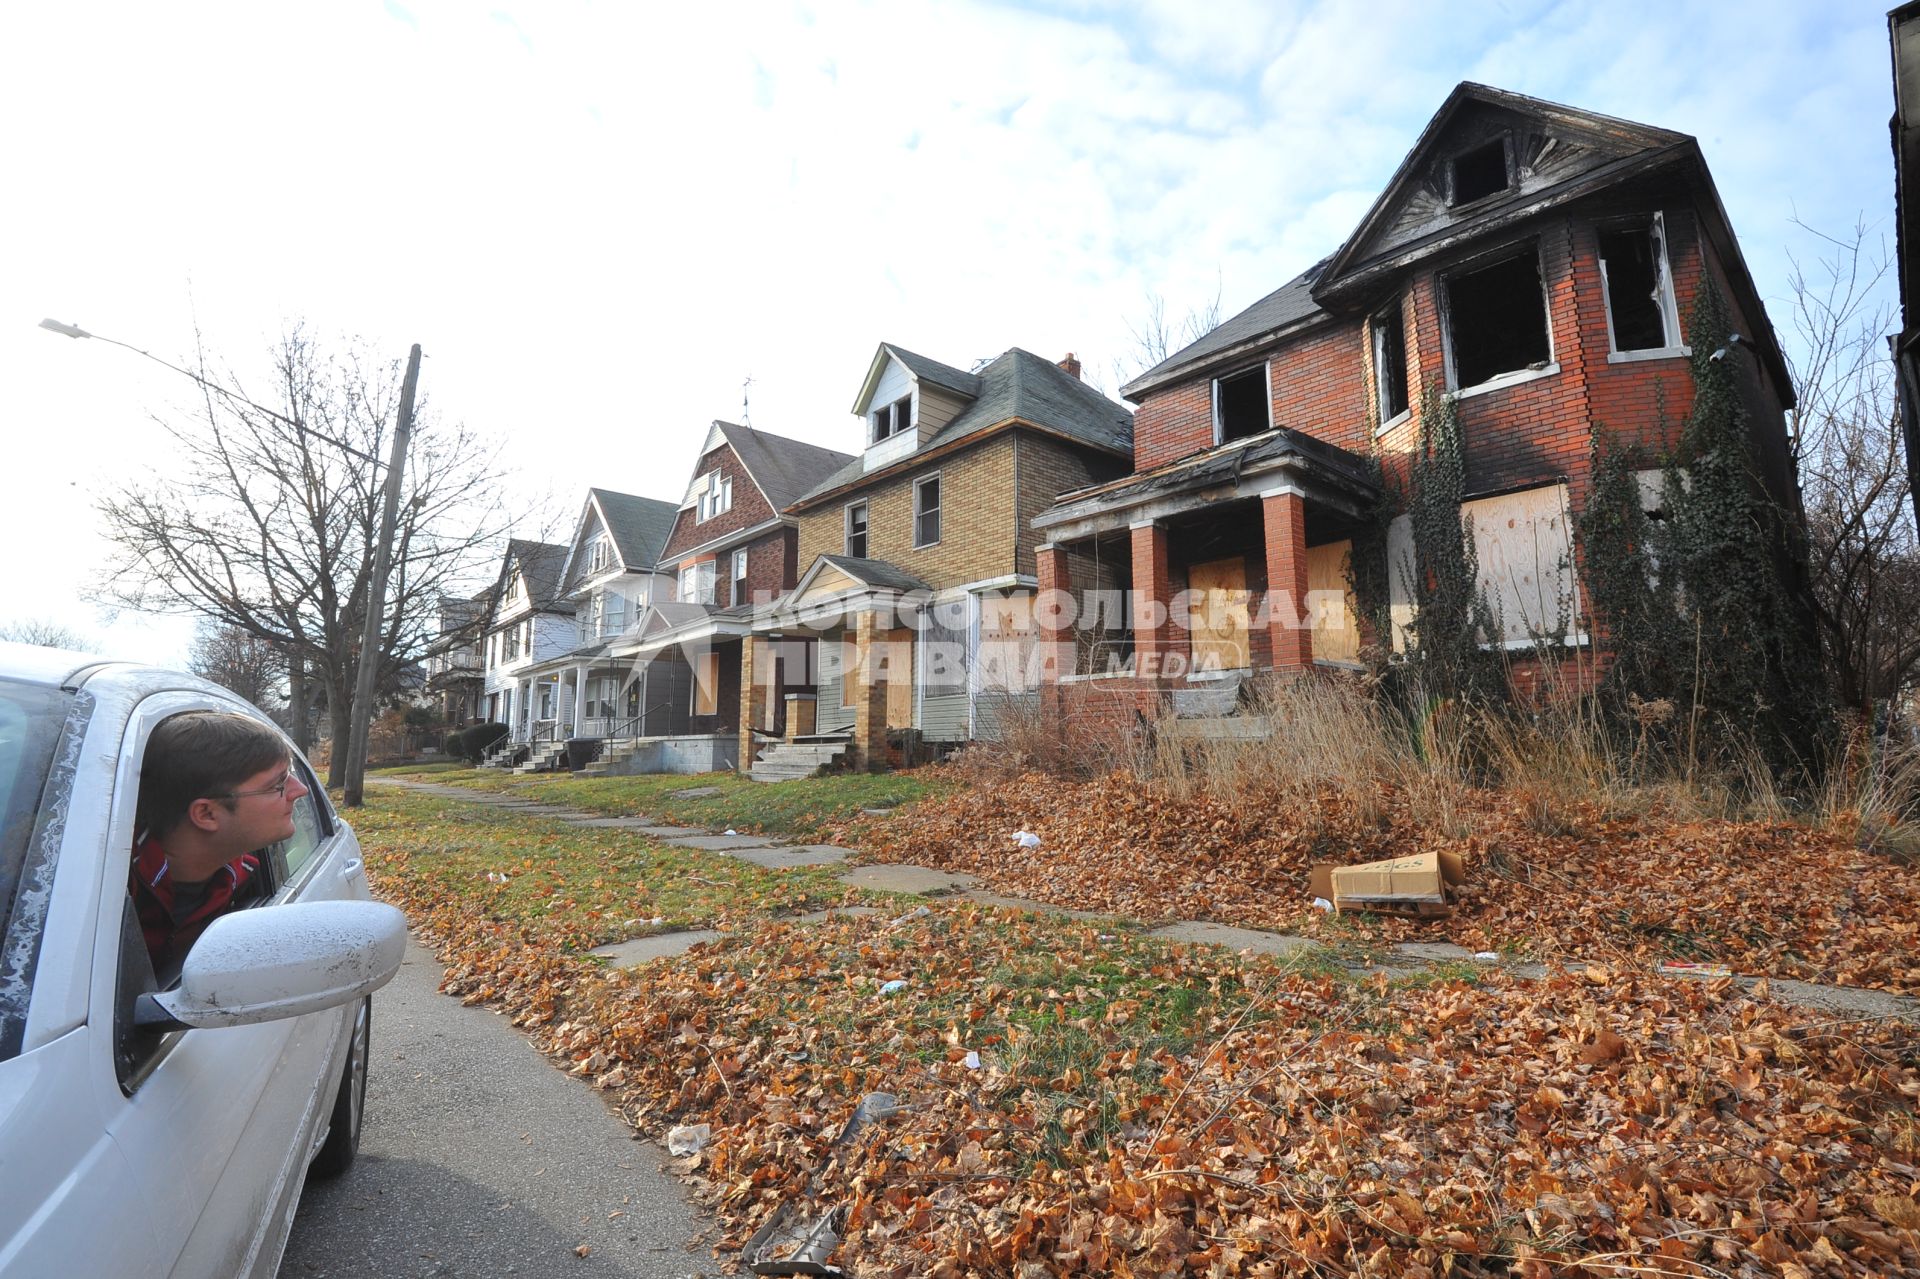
[40,631]
[1854,482]
[269,528]
[240,661]
[1155,337]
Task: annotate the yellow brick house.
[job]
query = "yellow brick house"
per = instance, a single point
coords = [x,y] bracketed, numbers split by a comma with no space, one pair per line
[916,561]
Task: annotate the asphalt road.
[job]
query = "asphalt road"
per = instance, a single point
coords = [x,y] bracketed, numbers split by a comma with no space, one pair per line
[480,1159]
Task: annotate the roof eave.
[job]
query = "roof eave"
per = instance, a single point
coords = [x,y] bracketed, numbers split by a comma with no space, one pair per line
[1145,385]
[971,438]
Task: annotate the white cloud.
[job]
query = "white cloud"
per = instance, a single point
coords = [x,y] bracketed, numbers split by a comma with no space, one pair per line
[599,220]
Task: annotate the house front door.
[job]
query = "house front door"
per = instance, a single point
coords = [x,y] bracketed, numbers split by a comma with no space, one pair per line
[1217,616]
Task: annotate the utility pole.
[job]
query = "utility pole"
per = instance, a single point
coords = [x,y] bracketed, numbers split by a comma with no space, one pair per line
[356,770]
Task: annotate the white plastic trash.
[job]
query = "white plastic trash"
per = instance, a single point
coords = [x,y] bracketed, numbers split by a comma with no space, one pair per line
[1026,839]
[688,1139]
[894,986]
[1321,903]
[971,1061]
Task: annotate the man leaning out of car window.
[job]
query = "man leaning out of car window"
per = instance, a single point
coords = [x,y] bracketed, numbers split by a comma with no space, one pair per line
[215,790]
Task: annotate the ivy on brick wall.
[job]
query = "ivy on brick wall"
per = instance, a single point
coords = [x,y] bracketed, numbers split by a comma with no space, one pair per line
[1697,601]
[1443,653]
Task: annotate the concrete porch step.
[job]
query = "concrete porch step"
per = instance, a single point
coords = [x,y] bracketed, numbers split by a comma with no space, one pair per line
[807,757]
[1252,728]
[1210,699]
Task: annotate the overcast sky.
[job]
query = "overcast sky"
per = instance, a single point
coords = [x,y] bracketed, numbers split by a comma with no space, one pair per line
[598,220]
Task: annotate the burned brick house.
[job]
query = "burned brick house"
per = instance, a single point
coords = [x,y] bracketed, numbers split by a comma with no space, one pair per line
[1532,261]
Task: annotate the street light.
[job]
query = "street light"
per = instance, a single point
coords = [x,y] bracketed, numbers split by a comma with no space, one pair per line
[355,772]
[75,331]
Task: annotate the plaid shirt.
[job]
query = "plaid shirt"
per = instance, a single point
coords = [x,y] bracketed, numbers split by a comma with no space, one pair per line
[169,940]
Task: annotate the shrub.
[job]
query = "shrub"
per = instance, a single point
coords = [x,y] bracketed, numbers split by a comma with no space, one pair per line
[481,738]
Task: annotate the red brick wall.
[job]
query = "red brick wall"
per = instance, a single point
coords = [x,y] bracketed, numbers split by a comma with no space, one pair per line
[769,567]
[1518,435]
[1172,423]
[1320,387]
[749,508]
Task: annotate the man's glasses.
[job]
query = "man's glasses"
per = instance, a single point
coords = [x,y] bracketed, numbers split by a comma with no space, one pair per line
[277,790]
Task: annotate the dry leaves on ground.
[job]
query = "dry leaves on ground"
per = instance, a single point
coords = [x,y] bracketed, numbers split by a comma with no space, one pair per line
[1763,898]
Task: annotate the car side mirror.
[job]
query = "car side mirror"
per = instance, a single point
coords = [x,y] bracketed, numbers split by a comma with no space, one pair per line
[283,961]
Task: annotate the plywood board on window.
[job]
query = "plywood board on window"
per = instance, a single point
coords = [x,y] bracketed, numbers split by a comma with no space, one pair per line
[898,671]
[1336,628]
[1218,615]
[1526,561]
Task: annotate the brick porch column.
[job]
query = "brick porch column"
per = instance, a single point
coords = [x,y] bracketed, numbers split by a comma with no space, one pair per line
[1154,638]
[870,702]
[1284,510]
[753,698]
[1054,614]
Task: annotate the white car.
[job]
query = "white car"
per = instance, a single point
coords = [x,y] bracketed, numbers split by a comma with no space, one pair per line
[163,1133]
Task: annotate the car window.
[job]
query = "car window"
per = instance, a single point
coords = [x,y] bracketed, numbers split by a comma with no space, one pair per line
[310,826]
[32,718]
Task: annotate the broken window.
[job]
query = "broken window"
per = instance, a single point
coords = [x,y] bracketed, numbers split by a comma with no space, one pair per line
[1497,320]
[1390,362]
[1480,172]
[1633,270]
[1240,405]
[891,419]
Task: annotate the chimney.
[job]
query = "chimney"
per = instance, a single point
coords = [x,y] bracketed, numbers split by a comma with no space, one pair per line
[1072,365]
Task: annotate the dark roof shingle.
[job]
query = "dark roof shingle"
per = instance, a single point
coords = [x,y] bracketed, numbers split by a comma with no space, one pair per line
[540,564]
[783,468]
[639,526]
[1288,304]
[1020,384]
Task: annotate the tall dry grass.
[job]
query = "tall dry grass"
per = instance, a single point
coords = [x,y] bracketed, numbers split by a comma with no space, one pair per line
[1553,753]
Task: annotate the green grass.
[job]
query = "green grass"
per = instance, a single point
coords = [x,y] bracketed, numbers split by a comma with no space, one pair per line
[803,808]
[421,769]
[576,886]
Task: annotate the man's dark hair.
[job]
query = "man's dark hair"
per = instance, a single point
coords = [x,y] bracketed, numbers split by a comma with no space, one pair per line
[201,755]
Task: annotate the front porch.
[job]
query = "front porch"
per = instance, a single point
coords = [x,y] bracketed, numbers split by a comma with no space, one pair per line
[1210,569]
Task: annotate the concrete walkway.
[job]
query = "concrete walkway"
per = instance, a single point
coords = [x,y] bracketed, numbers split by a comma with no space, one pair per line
[928,881]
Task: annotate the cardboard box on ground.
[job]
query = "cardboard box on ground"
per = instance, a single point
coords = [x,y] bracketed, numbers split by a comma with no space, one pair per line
[1421,884]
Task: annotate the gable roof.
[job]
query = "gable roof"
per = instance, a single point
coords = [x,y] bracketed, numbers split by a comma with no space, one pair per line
[875,573]
[1574,154]
[540,564]
[639,525]
[1016,386]
[783,468]
[926,370]
[1604,140]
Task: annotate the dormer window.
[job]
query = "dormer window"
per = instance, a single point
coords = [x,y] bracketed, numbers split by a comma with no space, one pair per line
[600,554]
[715,496]
[1479,173]
[891,419]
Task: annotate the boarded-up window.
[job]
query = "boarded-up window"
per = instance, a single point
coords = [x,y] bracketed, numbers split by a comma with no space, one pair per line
[1526,562]
[897,664]
[706,684]
[944,632]
[1336,630]
[851,675]
[1006,643]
